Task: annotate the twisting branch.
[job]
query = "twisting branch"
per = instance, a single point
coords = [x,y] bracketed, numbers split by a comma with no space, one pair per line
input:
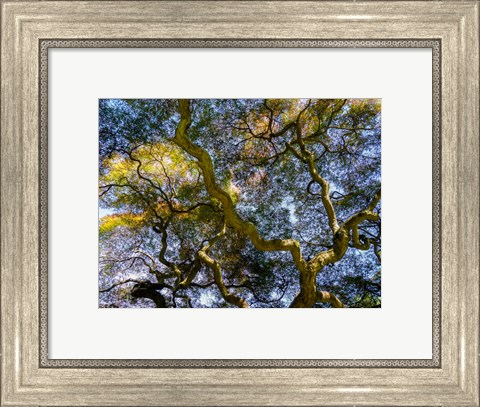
[365,245]
[150,266]
[325,192]
[161,227]
[309,158]
[192,273]
[375,200]
[325,296]
[212,187]
[217,272]
[341,240]
[130,280]
[139,193]
[141,176]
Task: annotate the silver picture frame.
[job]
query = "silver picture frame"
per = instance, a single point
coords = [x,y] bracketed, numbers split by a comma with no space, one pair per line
[449,29]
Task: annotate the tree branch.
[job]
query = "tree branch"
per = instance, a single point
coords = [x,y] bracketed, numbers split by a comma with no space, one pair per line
[146,289]
[217,272]
[309,158]
[325,296]
[231,216]
[161,227]
[117,284]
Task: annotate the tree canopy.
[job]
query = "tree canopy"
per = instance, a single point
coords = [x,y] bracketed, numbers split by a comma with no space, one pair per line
[240,203]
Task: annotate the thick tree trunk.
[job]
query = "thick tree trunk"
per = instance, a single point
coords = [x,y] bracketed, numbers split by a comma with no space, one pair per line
[307,296]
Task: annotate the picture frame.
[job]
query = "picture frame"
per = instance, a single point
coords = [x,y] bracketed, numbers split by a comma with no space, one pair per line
[29,378]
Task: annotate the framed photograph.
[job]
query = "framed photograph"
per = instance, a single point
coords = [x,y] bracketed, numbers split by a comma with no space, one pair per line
[240,203]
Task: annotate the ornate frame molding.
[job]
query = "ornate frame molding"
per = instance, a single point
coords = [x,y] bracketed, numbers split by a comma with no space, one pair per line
[434,45]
